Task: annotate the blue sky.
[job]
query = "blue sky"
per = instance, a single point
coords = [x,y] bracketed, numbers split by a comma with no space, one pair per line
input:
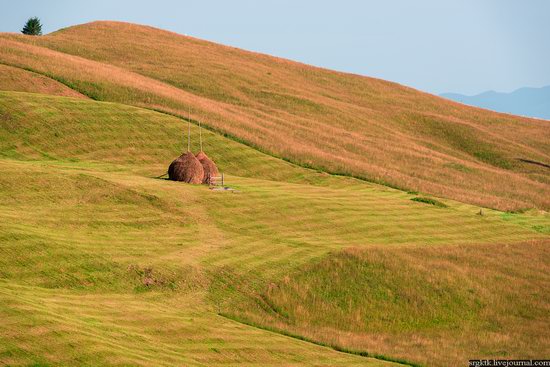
[464,46]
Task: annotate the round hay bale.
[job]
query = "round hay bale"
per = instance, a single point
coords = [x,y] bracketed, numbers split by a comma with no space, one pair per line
[210,169]
[201,155]
[186,168]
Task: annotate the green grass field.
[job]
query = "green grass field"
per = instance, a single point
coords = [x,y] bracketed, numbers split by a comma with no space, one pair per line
[103,263]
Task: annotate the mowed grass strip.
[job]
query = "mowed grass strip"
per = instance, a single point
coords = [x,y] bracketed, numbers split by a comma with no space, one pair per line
[267,228]
[312,220]
[54,328]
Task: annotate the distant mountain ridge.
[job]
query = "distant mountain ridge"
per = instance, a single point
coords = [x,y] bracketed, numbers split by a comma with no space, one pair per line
[531,102]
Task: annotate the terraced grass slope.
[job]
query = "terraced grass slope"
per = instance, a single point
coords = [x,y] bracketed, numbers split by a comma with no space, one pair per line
[339,122]
[101,263]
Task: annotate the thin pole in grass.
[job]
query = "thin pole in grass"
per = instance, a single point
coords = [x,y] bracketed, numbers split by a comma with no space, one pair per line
[200,134]
[188,129]
[184,139]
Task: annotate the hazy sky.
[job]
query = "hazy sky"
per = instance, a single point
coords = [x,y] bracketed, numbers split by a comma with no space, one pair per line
[465,46]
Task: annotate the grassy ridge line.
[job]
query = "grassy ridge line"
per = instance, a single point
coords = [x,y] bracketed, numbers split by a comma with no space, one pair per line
[436,146]
[101,81]
[337,348]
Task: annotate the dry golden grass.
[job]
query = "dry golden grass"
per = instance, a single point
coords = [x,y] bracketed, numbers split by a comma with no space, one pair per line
[19,80]
[340,122]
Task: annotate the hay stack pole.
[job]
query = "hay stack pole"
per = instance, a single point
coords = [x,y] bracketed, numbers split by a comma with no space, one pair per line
[188,129]
[200,134]
[187,167]
[210,169]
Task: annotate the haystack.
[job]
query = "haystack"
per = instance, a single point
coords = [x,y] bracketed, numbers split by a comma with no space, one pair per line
[210,169]
[186,168]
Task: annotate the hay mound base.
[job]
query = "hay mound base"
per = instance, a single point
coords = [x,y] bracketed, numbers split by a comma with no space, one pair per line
[186,168]
[209,167]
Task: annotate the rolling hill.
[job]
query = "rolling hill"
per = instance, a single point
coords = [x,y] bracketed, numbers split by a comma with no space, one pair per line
[103,262]
[336,122]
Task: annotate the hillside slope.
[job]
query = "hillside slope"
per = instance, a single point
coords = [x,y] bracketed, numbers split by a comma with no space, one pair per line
[338,122]
[103,263]
[432,305]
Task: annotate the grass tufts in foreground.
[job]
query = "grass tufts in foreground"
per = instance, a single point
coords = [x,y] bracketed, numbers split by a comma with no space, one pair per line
[437,305]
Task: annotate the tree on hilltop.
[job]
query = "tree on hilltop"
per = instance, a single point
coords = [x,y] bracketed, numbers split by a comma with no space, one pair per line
[33,27]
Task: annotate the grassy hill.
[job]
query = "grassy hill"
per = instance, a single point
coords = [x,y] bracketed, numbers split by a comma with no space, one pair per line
[102,263]
[337,122]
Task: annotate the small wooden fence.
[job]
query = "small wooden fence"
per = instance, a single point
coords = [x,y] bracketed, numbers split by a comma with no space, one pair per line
[217,181]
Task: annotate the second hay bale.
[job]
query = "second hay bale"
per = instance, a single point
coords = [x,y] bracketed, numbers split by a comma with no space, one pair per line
[209,167]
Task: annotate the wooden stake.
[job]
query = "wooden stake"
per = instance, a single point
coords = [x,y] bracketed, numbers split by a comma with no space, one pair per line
[189,129]
[200,134]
